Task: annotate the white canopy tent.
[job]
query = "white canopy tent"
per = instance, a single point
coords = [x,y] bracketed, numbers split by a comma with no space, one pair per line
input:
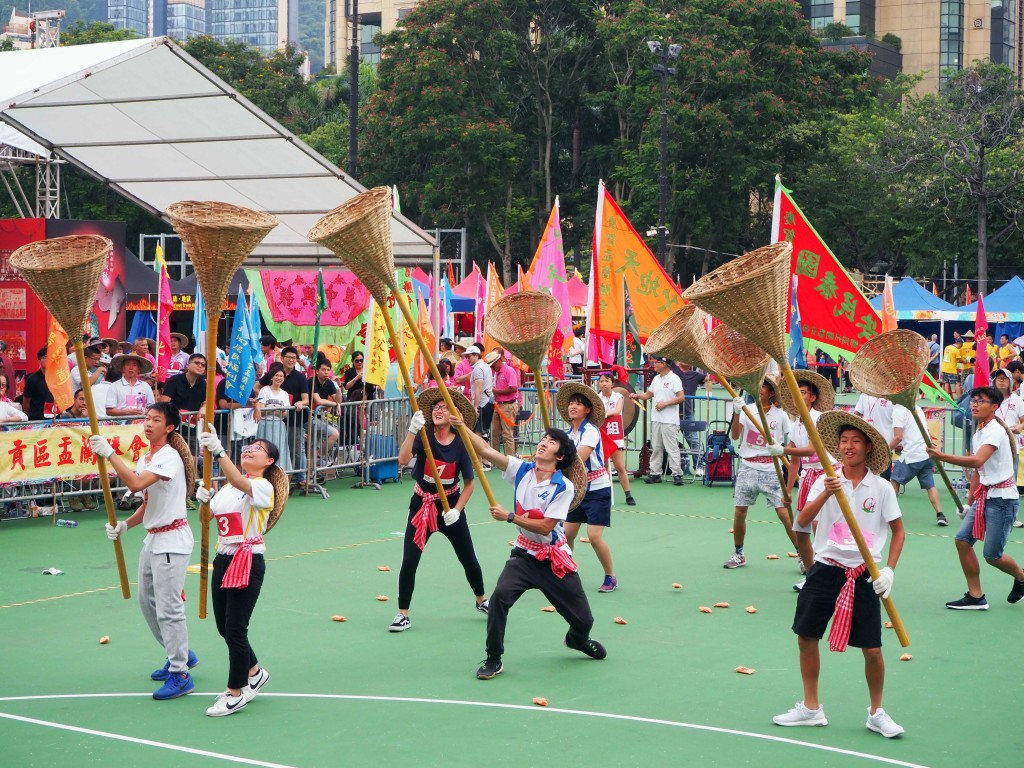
[152,122]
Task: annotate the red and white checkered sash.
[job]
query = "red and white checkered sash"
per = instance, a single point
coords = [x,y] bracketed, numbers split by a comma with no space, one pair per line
[425,519]
[561,561]
[843,619]
[181,522]
[237,574]
[807,478]
[758,459]
[592,476]
[980,497]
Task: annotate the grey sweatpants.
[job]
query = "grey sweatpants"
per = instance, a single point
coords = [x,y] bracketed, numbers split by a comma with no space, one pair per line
[665,437]
[161,580]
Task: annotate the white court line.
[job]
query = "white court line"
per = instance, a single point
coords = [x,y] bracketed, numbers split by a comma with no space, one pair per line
[457,702]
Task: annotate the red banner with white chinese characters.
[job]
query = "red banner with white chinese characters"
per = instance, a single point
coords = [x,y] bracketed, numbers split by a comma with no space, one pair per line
[32,455]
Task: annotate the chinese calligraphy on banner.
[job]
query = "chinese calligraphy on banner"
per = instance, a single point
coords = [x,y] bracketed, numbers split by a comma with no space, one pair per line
[33,455]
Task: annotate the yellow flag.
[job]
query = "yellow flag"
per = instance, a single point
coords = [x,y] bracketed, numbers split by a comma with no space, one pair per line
[377,359]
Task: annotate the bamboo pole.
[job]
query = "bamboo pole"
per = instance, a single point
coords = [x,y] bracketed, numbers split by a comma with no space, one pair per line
[212,320]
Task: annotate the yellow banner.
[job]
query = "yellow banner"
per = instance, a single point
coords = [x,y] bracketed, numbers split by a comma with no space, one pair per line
[33,455]
[377,358]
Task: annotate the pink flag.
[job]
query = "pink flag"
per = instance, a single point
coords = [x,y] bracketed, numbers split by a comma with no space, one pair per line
[163,337]
[547,274]
[982,368]
[888,307]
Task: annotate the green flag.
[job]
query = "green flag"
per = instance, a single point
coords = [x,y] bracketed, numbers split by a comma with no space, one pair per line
[321,305]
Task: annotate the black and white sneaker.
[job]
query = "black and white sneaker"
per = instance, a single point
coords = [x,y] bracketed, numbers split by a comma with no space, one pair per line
[490,668]
[227,704]
[256,682]
[483,607]
[591,647]
[968,603]
[940,520]
[1016,593]
[400,624]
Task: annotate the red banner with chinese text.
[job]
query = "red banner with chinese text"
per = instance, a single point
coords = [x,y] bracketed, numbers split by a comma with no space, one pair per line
[32,455]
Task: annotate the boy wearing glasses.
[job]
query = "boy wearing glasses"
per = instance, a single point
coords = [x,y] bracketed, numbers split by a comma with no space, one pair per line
[994,501]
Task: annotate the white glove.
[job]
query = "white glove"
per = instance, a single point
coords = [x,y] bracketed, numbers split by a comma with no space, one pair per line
[416,423]
[209,441]
[451,517]
[883,584]
[204,494]
[100,447]
[774,449]
[114,531]
[738,404]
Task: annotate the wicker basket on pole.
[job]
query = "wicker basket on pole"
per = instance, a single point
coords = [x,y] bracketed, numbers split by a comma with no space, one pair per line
[359,233]
[524,323]
[218,238]
[751,294]
[64,272]
[891,365]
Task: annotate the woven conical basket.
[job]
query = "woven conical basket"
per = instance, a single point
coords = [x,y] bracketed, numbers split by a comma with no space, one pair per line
[891,365]
[679,337]
[750,294]
[64,272]
[731,354]
[359,233]
[524,324]
[218,238]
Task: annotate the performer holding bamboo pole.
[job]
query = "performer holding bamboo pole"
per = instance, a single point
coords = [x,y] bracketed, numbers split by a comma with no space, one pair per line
[64,272]
[751,293]
[218,238]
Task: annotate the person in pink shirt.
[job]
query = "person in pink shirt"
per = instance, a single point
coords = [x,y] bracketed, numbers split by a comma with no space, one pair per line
[461,377]
[505,387]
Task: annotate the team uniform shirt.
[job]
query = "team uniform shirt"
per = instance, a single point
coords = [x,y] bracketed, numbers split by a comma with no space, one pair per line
[539,499]
[179,362]
[999,467]
[914,449]
[464,368]
[1007,353]
[665,387]
[877,411]
[506,378]
[613,426]
[950,360]
[124,395]
[590,436]
[874,506]
[165,503]
[452,462]
[752,443]
[239,516]
[798,436]
[966,360]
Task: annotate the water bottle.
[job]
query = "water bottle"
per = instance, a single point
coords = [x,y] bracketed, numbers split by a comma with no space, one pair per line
[67,523]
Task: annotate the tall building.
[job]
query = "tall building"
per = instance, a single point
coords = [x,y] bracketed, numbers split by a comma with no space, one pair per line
[130,14]
[266,24]
[180,19]
[375,17]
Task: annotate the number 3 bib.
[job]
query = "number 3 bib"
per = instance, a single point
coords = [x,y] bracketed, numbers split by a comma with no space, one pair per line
[229,527]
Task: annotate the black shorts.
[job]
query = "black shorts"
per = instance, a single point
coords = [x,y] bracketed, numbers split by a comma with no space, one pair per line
[595,509]
[817,602]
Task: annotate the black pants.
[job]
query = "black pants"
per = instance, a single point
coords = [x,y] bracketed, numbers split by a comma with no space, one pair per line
[461,541]
[232,609]
[523,572]
[483,424]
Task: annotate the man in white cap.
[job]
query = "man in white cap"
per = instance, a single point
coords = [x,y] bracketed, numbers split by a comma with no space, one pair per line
[481,385]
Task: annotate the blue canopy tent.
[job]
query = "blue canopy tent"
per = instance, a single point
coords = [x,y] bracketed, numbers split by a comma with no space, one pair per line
[458,303]
[918,309]
[1005,306]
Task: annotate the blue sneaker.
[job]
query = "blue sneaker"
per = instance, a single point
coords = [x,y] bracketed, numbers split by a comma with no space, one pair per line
[164,672]
[175,686]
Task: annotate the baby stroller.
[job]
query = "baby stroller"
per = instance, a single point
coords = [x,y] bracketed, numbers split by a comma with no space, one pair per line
[720,456]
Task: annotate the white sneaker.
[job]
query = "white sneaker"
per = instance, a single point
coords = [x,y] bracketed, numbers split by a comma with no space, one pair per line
[400,624]
[698,472]
[799,585]
[880,722]
[1018,524]
[801,715]
[736,560]
[227,704]
[257,681]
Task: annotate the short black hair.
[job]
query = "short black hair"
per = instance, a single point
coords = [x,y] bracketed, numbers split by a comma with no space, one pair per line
[41,353]
[581,399]
[268,340]
[170,413]
[566,447]
[812,387]
[1015,366]
[289,351]
[843,429]
[197,355]
[991,393]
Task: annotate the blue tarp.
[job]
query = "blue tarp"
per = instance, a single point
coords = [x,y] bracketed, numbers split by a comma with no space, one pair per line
[459,303]
[909,297]
[1008,298]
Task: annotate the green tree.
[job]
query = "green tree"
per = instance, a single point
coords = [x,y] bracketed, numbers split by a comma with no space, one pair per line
[83,33]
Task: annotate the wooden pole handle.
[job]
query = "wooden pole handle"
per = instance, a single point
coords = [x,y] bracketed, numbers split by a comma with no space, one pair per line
[938,464]
[750,416]
[212,319]
[775,462]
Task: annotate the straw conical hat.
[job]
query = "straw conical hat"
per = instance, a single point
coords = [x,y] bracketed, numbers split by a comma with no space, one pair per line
[679,337]
[64,272]
[826,394]
[891,365]
[218,238]
[731,354]
[359,233]
[750,294]
[524,324]
[828,426]
[567,390]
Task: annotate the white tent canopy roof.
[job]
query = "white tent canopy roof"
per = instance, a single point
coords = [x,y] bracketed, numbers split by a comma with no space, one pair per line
[152,122]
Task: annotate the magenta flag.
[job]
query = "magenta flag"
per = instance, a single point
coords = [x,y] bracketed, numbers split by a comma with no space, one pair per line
[163,337]
[982,369]
[547,274]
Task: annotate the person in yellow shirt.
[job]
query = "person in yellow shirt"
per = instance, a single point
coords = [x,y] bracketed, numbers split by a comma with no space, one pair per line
[1007,351]
[966,361]
[949,373]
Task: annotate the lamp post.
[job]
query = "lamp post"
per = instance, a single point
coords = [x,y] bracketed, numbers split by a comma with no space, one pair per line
[665,53]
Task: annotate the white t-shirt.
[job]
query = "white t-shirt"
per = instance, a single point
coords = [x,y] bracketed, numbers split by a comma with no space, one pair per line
[913,444]
[124,395]
[874,506]
[576,351]
[877,411]
[165,502]
[665,387]
[8,411]
[999,467]
[1011,410]
[590,436]
[99,398]
[481,372]
[547,498]
[239,516]
[752,443]
[610,400]
[76,379]
[798,436]
[270,399]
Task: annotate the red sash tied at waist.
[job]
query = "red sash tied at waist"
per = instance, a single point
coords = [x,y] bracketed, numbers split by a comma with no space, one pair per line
[237,574]
[561,561]
[181,522]
[591,476]
[758,459]
[843,619]
[980,497]
[425,519]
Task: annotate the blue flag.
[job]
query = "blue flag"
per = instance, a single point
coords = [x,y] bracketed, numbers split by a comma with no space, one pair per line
[446,308]
[143,326]
[797,356]
[241,373]
[255,328]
